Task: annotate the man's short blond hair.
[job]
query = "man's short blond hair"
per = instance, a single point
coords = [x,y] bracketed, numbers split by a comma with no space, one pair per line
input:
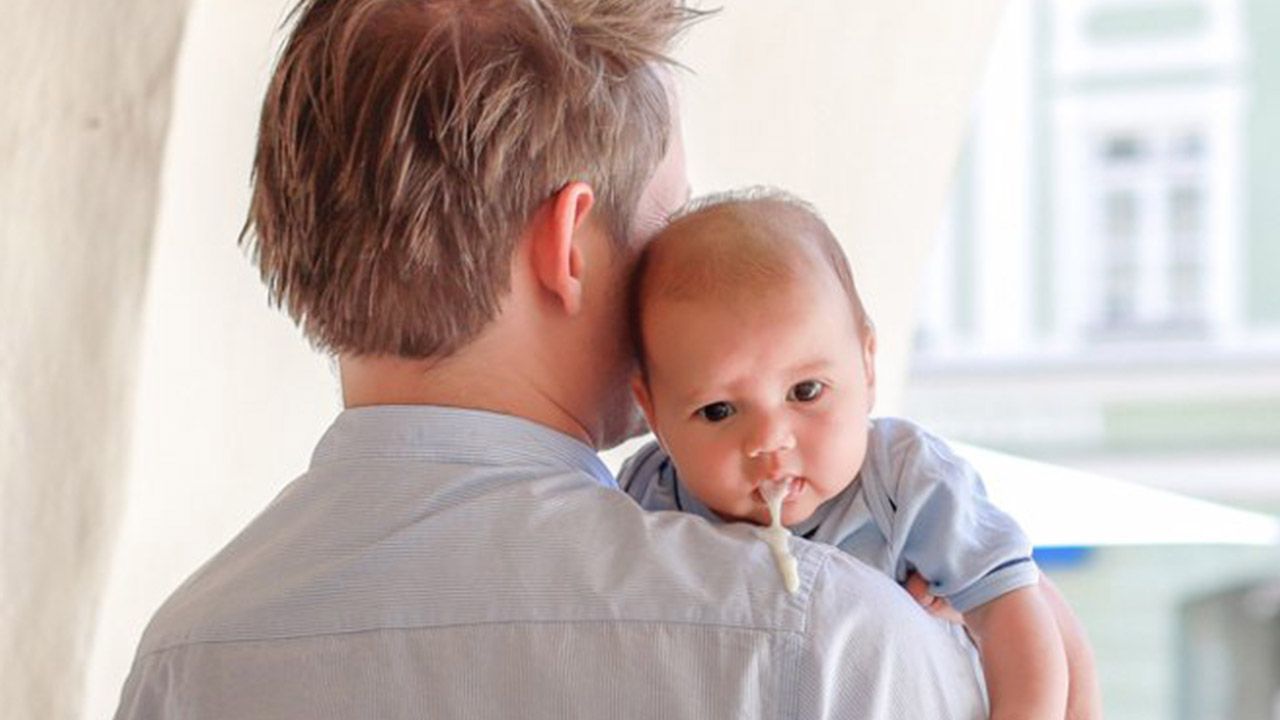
[739,245]
[405,144]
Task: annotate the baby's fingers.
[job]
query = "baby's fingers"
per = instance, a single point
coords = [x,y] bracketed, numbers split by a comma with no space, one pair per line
[918,588]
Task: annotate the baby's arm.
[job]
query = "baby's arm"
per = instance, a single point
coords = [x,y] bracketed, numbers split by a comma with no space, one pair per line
[977,557]
[1023,657]
[1084,699]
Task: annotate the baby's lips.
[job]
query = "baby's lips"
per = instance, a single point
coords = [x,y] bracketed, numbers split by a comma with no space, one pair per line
[770,489]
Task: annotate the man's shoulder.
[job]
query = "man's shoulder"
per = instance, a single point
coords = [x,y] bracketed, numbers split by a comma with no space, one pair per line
[539,550]
[586,538]
[719,573]
[864,629]
[550,560]
[726,567]
[860,593]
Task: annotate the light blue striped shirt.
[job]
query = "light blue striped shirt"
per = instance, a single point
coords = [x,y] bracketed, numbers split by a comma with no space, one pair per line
[438,562]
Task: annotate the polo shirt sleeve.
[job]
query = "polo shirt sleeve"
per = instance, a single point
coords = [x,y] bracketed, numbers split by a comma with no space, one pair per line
[945,527]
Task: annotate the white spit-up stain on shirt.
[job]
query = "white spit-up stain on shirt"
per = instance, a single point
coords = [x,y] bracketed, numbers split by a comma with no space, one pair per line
[776,535]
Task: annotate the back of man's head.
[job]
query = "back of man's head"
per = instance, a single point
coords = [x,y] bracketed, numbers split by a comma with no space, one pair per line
[404,145]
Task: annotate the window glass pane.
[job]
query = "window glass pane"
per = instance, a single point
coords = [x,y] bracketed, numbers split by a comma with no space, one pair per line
[1124,149]
[1121,210]
[1185,214]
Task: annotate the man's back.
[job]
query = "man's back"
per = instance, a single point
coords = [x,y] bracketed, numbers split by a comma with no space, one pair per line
[458,563]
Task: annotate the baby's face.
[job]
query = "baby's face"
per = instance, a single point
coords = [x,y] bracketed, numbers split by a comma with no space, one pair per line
[772,386]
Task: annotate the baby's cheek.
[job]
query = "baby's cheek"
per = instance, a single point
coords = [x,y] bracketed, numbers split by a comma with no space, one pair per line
[718,454]
[840,461]
[849,460]
[704,464]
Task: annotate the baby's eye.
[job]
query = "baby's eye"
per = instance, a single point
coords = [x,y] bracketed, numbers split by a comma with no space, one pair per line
[806,391]
[716,411]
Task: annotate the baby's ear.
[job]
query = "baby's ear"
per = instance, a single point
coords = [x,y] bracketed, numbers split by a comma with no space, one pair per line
[640,391]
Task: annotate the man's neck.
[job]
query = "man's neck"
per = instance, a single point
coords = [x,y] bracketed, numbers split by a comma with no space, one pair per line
[460,382]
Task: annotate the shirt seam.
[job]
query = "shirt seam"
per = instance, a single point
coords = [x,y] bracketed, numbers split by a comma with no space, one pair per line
[178,645]
[804,636]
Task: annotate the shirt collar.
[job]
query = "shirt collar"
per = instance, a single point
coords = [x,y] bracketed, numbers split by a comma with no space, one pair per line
[454,435]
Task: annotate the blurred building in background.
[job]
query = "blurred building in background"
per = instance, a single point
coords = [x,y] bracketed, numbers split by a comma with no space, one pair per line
[1105,295]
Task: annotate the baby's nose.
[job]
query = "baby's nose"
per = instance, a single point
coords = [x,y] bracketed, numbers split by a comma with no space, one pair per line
[771,438]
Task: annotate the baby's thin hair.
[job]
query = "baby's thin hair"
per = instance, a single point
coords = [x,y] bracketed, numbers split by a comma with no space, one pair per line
[747,255]
[744,195]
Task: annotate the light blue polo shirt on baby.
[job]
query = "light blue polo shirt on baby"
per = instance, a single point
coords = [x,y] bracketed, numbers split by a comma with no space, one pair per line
[914,506]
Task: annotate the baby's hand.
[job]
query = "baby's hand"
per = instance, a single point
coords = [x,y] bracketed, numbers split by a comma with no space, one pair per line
[936,606]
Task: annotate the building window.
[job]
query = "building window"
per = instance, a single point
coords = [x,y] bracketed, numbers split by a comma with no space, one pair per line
[1150,233]
[1186,254]
[1121,258]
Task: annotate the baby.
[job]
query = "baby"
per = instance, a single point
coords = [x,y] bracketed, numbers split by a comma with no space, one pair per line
[758,367]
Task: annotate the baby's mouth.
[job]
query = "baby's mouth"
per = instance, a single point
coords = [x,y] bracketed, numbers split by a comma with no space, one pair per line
[796,486]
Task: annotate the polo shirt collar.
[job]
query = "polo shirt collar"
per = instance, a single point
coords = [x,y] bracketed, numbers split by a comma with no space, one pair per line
[454,435]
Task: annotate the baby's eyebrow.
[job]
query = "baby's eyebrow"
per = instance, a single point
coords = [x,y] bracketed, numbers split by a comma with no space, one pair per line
[696,399]
[810,366]
[701,394]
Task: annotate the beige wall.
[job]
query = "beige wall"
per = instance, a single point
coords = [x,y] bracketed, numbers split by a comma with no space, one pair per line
[230,399]
[858,106]
[84,102]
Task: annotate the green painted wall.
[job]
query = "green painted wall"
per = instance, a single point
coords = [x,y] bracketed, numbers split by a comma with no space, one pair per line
[1130,600]
[1145,81]
[1193,425]
[1147,21]
[1262,263]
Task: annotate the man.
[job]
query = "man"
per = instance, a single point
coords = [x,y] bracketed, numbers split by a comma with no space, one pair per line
[449,195]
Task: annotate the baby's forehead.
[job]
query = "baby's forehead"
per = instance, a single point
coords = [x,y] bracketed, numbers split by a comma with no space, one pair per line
[738,248]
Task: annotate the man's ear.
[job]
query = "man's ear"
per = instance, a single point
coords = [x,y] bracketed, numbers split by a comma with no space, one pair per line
[869,364]
[558,261]
[640,390]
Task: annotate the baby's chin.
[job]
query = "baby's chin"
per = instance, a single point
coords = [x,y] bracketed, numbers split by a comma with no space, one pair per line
[795,514]
[792,514]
